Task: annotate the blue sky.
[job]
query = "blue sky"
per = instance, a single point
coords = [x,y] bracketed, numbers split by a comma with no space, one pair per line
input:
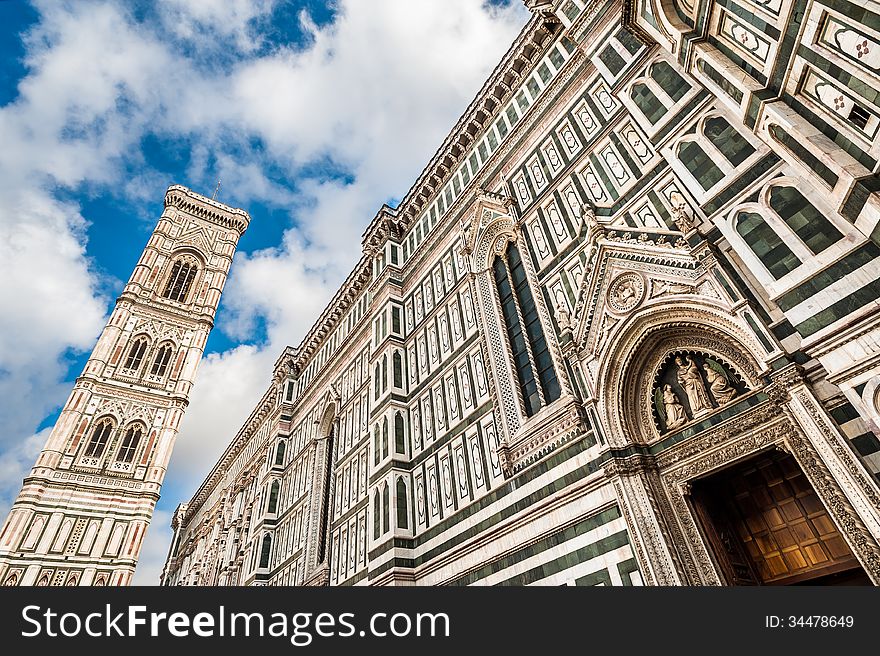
[312,114]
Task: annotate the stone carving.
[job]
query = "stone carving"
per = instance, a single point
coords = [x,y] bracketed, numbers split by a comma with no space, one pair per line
[626,292]
[720,387]
[690,380]
[563,319]
[672,411]
[662,287]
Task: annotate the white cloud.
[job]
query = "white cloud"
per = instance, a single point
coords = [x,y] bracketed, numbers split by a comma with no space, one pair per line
[350,117]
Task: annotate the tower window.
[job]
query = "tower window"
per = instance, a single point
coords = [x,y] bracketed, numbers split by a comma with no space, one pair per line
[160,364]
[531,357]
[100,437]
[182,275]
[265,550]
[136,354]
[130,444]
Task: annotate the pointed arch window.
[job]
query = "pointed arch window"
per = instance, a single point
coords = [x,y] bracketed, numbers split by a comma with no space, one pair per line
[386,503]
[397,362]
[385,437]
[183,272]
[136,353]
[766,244]
[402,511]
[808,223]
[399,434]
[265,550]
[273,497]
[160,362]
[100,437]
[377,517]
[130,443]
[531,356]
[279,452]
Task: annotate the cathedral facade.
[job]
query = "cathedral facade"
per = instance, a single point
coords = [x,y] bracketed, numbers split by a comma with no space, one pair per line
[623,330]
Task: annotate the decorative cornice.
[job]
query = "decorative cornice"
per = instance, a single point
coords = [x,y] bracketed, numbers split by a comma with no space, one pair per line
[207,209]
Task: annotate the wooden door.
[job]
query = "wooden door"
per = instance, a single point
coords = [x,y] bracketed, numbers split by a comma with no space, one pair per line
[767,525]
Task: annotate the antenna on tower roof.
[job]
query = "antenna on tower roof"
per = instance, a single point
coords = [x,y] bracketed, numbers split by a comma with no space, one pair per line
[216,189]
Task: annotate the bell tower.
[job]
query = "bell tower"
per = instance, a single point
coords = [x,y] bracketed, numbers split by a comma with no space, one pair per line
[83,510]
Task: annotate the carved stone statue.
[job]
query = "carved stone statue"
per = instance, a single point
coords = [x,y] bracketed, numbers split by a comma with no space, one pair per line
[563,318]
[674,410]
[719,385]
[692,383]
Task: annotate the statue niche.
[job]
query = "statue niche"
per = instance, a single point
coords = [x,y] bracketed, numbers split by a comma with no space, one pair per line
[691,385]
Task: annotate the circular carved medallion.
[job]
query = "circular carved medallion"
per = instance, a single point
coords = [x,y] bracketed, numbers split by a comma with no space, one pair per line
[626,292]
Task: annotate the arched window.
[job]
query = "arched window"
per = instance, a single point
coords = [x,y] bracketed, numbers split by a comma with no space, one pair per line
[402,511]
[399,435]
[130,443]
[384,372]
[727,140]
[265,550]
[531,356]
[273,497]
[647,102]
[397,364]
[100,437]
[808,223]
[669,80]
[699,164]
[183,272]
[136,354]
[160,363]
[385,437]
[377,449]
[377,517]
[279,452]
[376,382]
[386,504]
[766,244]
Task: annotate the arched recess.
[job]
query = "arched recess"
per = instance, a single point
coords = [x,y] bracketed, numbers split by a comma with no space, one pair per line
[628,366]
[184,272]
[484,238]
[324,458]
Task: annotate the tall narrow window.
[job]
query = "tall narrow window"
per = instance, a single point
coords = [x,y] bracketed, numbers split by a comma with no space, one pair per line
[402,512]
[136,354]
[160,363]
[279,453]
[130,444]
[766,244]
[377,449]
[399,435]
[266,550]
[397,365]
[385,437]
[531,356]
[808,223]
[100,436]
[182,275]
[386,503]
[273,497]
[384,372]
[377,517]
